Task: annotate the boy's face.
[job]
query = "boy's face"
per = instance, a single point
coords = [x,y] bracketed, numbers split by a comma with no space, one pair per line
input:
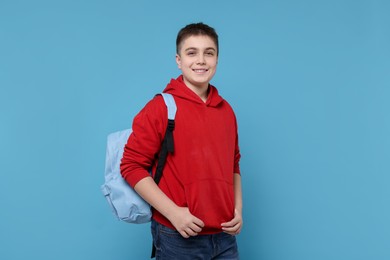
[197,59]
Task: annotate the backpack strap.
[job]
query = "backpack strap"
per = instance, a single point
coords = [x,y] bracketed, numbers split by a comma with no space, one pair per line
[167,144]
[171,105]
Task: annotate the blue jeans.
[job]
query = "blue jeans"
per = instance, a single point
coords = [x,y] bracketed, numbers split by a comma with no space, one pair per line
[171,245]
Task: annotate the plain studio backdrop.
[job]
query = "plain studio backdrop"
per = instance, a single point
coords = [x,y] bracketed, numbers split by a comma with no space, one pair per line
[310,84]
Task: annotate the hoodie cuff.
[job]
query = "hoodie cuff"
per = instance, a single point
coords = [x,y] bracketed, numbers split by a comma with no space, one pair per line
[135,177]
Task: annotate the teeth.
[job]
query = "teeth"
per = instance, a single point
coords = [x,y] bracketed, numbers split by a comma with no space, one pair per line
[199,70]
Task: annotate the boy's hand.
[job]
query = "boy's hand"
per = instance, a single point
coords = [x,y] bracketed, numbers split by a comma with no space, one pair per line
[186,223]
[233,227]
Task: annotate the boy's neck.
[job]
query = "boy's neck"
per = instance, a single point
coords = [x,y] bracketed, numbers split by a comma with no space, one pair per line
[201,91]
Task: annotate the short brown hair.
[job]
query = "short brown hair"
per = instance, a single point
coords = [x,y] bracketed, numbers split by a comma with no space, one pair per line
[196,29]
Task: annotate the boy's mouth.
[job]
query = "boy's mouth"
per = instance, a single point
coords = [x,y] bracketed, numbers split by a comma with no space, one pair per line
[200,70]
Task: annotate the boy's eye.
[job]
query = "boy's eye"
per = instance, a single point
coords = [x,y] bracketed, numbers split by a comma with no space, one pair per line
[210,53]
[191,53]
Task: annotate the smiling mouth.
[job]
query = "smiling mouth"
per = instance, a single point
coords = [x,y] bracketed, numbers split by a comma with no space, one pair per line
[200,70]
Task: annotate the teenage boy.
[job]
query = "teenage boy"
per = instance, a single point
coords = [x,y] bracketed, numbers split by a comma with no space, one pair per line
[197,206]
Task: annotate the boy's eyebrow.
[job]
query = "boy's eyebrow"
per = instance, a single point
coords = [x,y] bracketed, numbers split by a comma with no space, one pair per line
[211,48]
[193,48]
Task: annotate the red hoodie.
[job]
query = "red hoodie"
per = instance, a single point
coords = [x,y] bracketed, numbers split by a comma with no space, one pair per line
[199,174]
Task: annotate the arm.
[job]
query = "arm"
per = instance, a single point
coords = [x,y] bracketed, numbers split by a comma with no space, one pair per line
[238,192]
[234,226]
[180,217]
[139,154]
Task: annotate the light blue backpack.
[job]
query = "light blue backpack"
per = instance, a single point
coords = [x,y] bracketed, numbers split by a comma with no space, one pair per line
[125,203]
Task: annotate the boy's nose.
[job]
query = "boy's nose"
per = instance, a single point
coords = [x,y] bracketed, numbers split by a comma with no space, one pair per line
[201,59]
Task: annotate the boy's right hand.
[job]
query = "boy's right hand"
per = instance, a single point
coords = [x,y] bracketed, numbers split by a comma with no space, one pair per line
[186,223]
[180,217]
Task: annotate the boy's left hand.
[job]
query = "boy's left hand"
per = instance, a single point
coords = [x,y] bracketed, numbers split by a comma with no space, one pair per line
[233,227]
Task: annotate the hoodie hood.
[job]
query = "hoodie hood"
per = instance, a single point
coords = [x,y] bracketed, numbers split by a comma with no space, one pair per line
[178,88]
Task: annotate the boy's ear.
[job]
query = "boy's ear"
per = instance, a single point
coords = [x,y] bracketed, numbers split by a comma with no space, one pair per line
[178,61]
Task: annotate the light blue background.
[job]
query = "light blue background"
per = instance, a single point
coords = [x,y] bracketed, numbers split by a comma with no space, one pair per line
[310,84]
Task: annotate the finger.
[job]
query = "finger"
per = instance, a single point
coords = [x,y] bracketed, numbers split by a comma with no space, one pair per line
[230,233]
[198,222]
[233,233]
[191,232]
[231,223]
[232,229]
[184,234]
[195,228]
[228,224]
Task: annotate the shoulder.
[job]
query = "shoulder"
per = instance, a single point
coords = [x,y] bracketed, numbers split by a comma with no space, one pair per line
[217,100]
[154,112]
[155,106]
[152,119]
[227,106]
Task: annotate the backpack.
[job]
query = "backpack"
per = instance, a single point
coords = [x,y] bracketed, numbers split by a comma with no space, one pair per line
[125,203]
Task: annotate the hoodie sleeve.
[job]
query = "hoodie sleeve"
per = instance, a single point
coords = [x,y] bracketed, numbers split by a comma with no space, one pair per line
[237,154]
[144,142]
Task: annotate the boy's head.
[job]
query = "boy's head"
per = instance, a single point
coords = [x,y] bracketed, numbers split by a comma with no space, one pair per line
[196,29]
[197,56]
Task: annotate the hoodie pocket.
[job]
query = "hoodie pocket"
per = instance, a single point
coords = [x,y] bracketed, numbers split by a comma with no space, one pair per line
[212,201]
